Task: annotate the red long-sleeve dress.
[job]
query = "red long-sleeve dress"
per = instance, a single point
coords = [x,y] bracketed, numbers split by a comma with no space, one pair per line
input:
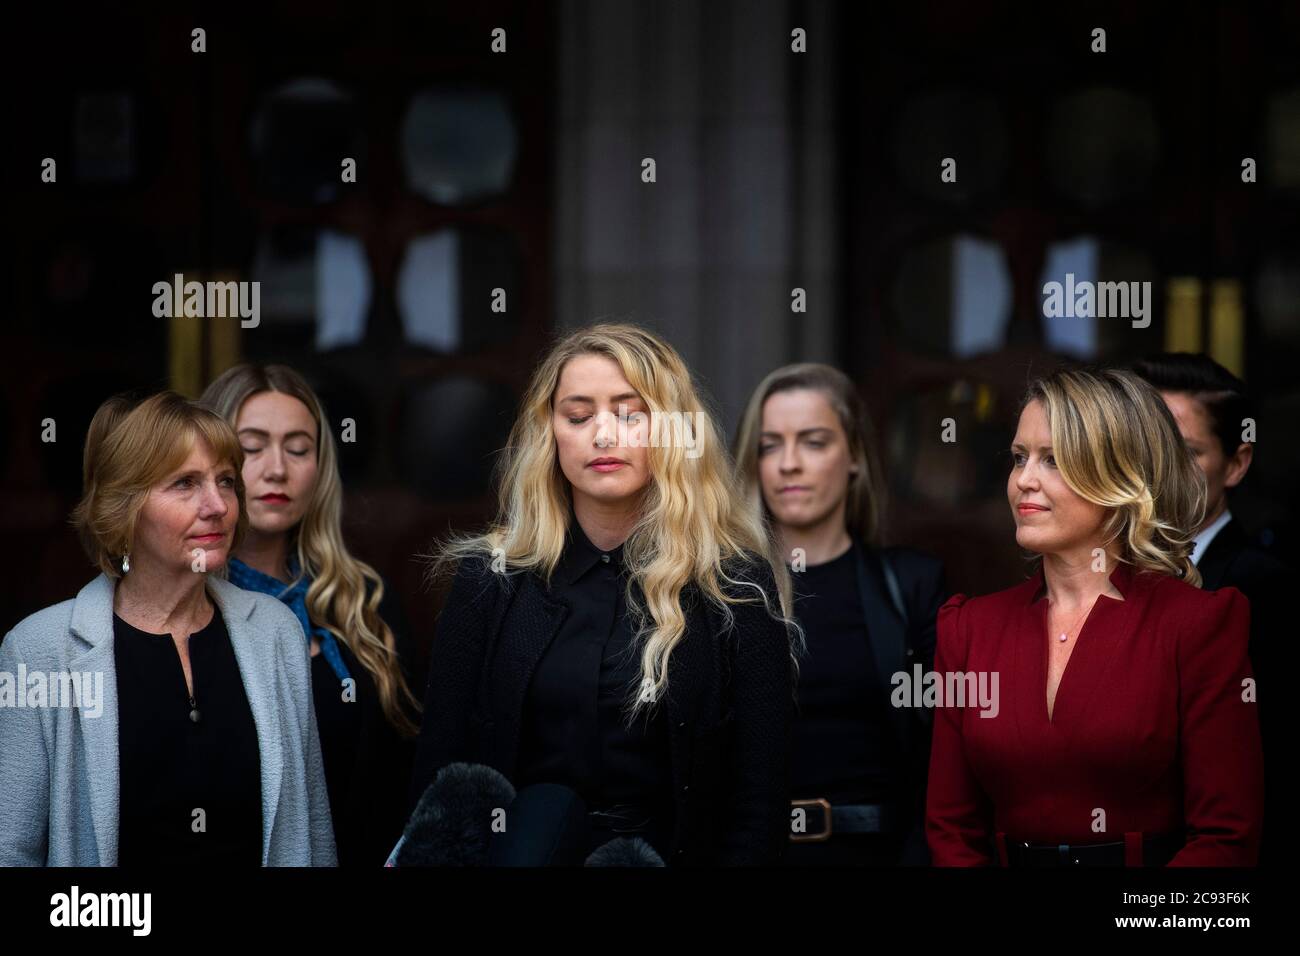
[1149,726]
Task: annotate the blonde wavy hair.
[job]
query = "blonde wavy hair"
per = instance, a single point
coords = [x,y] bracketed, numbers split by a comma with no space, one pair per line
[132,445]
[336,598]
[864,502]
[692,523]
[1116,445]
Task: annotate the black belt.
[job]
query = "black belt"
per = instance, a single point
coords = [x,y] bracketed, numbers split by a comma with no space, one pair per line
[1153,851]
[820,819]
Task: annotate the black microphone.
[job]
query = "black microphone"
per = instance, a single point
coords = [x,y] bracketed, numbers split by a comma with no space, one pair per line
[545,826]
[452,823]
[625,851]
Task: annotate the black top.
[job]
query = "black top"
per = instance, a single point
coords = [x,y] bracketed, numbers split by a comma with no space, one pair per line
[574,730]
[338,724]
[171,766]
[367,762]
[844,747]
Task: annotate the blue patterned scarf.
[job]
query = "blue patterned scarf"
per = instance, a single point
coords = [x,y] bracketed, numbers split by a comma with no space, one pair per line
[250,579]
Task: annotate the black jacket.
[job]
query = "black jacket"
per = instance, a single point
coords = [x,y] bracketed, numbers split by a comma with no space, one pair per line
[730,704]
[901,629]
[1233,560]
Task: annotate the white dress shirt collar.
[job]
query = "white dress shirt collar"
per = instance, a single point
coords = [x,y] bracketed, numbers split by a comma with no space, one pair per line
[1207,535]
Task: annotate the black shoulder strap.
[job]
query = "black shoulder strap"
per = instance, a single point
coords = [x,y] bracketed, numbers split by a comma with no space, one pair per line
[886,632]
[895,592]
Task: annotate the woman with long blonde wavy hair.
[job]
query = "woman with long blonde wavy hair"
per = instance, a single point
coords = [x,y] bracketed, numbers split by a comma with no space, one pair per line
[618,629]
[294,550]
[1114,719]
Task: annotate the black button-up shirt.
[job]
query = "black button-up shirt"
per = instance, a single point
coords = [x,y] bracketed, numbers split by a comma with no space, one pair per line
[574,730]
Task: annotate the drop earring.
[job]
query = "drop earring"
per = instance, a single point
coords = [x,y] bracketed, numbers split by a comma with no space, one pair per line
[126,562]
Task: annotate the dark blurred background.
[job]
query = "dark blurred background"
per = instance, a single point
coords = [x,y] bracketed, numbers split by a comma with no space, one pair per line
[521,171]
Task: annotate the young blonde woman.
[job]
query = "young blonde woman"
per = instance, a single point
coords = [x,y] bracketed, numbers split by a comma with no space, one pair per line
[1124,730]
[806,460]
[294,551]
[617,629]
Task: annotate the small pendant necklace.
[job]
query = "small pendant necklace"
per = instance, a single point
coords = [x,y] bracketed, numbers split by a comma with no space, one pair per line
[1065,635]
[195,714]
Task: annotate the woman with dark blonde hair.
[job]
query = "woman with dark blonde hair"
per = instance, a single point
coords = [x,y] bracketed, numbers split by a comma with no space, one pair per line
[294,551]
[807,465]
[1122,729]
[194,745]
[618,630]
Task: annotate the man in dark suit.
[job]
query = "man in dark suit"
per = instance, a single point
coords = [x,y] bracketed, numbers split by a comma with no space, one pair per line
[1215,416]
[1233,559]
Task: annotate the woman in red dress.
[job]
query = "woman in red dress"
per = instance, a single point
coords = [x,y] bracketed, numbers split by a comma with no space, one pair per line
[1126,731]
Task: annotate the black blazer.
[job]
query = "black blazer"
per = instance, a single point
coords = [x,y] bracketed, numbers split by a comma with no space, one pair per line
[1233,560]
[730,705]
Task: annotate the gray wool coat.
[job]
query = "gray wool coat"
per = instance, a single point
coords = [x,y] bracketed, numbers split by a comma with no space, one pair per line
[59,764]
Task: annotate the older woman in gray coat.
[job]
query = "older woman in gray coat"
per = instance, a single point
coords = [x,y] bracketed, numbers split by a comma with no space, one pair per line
[163,716]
